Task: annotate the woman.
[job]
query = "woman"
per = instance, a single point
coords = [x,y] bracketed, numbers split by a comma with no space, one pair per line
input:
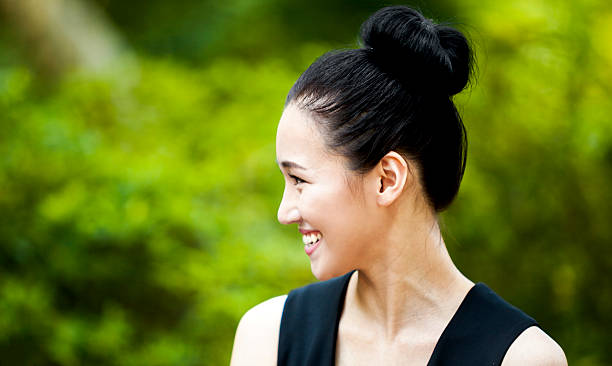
[372,148]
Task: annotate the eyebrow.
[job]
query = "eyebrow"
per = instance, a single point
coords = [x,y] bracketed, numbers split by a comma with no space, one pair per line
[290,164]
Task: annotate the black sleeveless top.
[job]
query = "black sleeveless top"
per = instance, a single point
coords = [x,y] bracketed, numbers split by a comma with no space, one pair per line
[480,332]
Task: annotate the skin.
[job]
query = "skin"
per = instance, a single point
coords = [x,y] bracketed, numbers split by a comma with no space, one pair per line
[406,288]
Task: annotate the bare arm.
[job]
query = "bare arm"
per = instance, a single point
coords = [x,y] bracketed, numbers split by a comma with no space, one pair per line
[256,340]
[534,348]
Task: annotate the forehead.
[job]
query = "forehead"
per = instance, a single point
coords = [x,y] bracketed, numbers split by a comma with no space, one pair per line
[298,137]
[296,119]
[299,140]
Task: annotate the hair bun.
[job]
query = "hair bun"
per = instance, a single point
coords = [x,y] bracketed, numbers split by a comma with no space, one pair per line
[431,58]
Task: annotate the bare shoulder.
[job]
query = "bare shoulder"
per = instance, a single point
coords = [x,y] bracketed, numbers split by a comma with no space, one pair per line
[534,347]
[256,340]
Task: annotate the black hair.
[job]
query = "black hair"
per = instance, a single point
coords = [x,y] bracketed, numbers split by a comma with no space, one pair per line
[395,94]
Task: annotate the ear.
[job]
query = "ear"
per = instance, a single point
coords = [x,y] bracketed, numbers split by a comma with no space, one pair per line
[393,174]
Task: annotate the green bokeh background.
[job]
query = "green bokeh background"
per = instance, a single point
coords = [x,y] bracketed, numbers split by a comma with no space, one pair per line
[138,188]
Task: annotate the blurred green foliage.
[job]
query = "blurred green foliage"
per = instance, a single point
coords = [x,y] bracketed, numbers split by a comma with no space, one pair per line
[139,206]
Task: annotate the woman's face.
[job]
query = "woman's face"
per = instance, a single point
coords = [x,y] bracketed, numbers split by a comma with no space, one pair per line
[334,220]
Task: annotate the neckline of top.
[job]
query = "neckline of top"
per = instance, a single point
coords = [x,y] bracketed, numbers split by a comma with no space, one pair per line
[478,287]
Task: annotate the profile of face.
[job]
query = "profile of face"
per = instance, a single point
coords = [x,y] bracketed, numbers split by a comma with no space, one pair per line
[337,221]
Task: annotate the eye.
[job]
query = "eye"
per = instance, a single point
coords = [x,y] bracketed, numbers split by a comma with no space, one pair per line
[297,179]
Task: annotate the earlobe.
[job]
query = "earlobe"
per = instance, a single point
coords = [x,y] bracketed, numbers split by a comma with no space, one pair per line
[393,174]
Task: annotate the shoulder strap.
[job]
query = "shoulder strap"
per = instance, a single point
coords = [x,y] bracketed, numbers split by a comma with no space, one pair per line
[309,324]
[481,331]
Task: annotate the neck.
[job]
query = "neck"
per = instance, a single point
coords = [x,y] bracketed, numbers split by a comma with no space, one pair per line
[412,285]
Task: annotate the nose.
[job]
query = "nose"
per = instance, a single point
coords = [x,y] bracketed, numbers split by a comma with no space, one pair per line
[288,212]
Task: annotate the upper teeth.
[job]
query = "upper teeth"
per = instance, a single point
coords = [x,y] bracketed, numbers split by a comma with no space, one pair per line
[311,238]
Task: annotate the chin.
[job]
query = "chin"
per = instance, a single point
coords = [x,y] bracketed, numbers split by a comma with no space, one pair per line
[324,272]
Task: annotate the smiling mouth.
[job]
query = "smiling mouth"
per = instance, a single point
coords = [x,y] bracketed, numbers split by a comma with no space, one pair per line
[311,239]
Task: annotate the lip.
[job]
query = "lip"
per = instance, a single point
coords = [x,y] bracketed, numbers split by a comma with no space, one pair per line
[310,250]
[304,232]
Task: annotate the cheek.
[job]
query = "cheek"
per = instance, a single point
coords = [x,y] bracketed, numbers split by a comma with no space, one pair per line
[334,210]
[317,205]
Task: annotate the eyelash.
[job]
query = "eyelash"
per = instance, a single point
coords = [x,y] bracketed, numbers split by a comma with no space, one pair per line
[297,180]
